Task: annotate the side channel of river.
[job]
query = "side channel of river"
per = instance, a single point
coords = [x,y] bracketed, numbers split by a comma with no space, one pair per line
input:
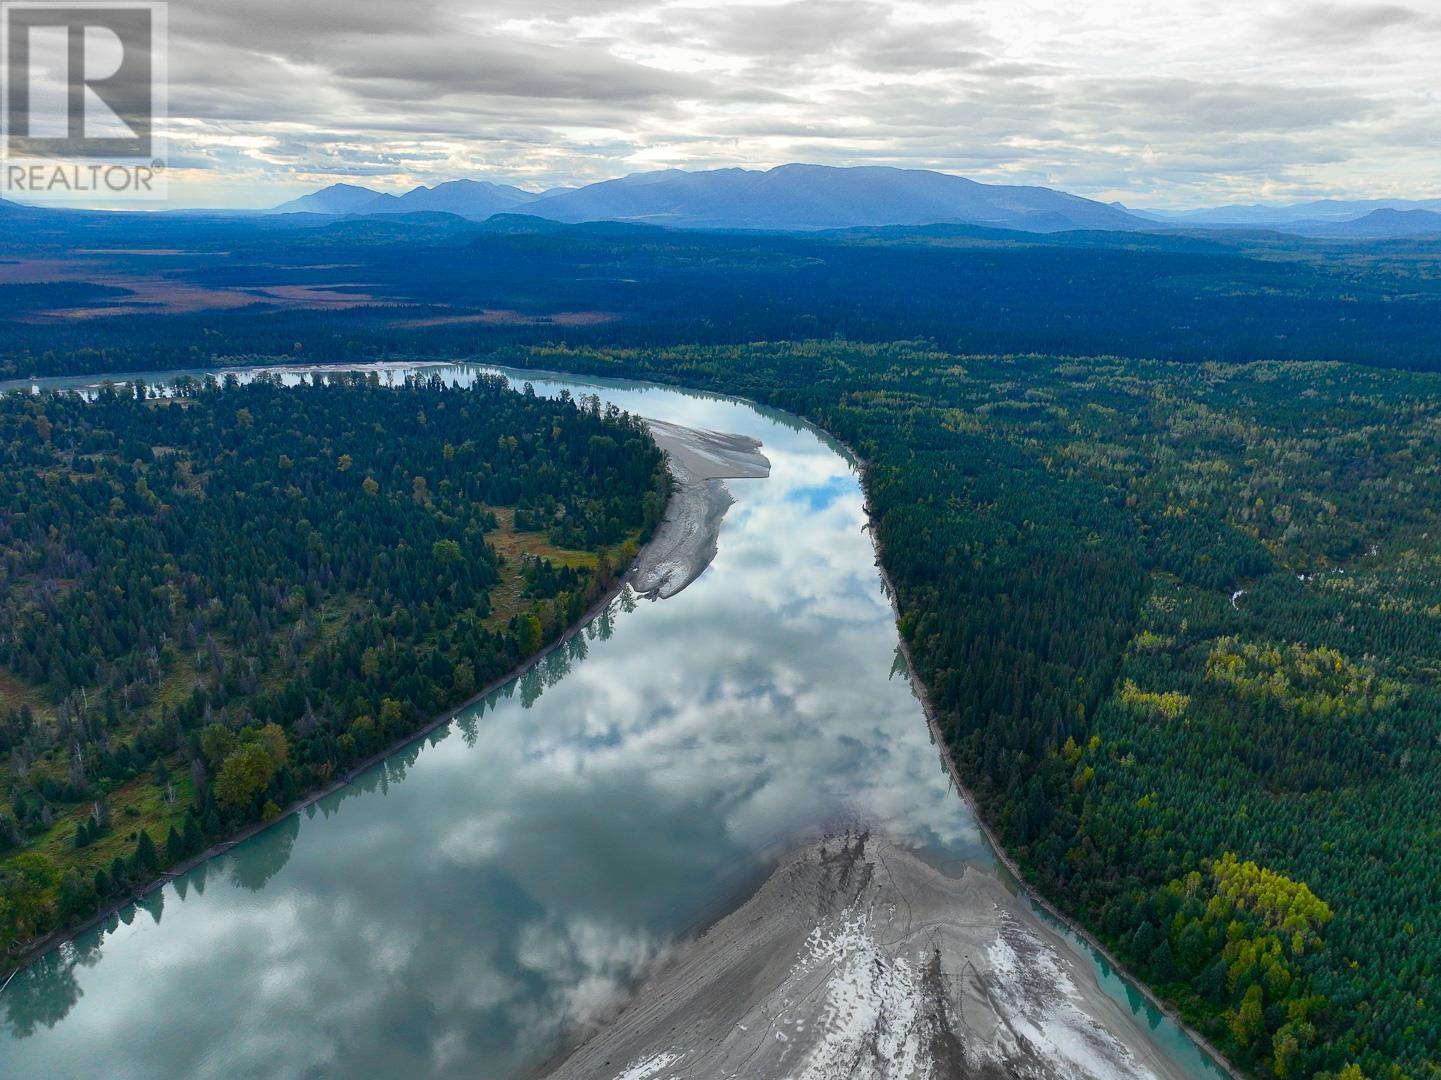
[468,905]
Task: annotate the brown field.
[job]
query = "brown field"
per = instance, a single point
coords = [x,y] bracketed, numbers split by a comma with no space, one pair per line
[165,292]
[159,294]
[14,693]
[153,294]
[323,296]
[510,317]
[149,251]
[506,599]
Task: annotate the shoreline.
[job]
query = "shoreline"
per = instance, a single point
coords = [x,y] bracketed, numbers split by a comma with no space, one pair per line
[41,948]
[1024,890]
[1003,857]
[686,540]
[854,948]
[1027,890]
[36,952]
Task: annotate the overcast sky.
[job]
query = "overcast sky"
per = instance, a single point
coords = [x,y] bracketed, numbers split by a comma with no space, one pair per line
[1176,103]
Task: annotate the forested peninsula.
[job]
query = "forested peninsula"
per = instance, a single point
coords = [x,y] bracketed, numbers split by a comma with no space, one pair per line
[1180,624]
[217,600]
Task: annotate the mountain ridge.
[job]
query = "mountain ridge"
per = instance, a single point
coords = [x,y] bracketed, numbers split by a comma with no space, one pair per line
[477,199]
[794,197]
[816,198]
[334,199]
[800,197]
[1269,215]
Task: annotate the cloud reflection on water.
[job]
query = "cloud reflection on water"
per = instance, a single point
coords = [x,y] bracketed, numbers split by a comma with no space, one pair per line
[463,906]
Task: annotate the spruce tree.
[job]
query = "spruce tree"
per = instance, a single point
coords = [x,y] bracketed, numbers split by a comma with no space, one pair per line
[1163,964]
[194,838]
[145,860]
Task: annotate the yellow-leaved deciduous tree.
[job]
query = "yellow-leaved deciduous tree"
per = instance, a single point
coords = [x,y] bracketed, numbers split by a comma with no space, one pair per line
[446,552]
[248,769]
[1171,704]
[1281,903]
[1287,1044]
[1247,1021]
[392,716]
[528,633]
[362,730]
[245,774]
[272,737]
[1071,752]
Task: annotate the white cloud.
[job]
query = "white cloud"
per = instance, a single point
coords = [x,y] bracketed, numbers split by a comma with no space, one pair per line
[1182,102]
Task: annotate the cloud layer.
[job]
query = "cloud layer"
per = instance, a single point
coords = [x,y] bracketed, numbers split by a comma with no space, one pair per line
[1187,102]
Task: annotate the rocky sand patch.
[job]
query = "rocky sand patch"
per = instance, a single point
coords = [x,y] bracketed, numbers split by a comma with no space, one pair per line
[685,541]
[858,959]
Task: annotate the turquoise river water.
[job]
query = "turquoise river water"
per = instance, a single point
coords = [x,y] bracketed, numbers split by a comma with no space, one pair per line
[466,906]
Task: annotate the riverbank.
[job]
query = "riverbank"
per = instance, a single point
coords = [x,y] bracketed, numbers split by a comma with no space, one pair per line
[943,748]
[685,542]
[998,849]
[39,949]
[868,957]
[856,957]
[684,559]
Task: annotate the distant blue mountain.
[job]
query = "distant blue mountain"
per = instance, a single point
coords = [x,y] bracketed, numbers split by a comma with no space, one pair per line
[806,197]
[477,199]
[1264,216]
[1377,225]
[336,199]
[818,197]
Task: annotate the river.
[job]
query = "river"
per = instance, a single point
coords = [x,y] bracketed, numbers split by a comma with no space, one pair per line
[467,905]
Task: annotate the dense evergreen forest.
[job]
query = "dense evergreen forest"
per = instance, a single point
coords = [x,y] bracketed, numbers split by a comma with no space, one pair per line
[216,601]
[161,292]
[1182,625]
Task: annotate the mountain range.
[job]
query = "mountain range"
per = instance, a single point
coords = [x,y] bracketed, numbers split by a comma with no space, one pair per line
[790,197]
[1259,214]
[1383,224]
[816,197]
[468,198]
[795,197]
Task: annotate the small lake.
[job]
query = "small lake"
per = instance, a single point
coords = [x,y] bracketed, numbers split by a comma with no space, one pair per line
[465,906]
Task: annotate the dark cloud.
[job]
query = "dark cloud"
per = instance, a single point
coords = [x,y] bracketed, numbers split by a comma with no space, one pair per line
[1198,110]
[1348,23]
[413,73]
[804,28]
